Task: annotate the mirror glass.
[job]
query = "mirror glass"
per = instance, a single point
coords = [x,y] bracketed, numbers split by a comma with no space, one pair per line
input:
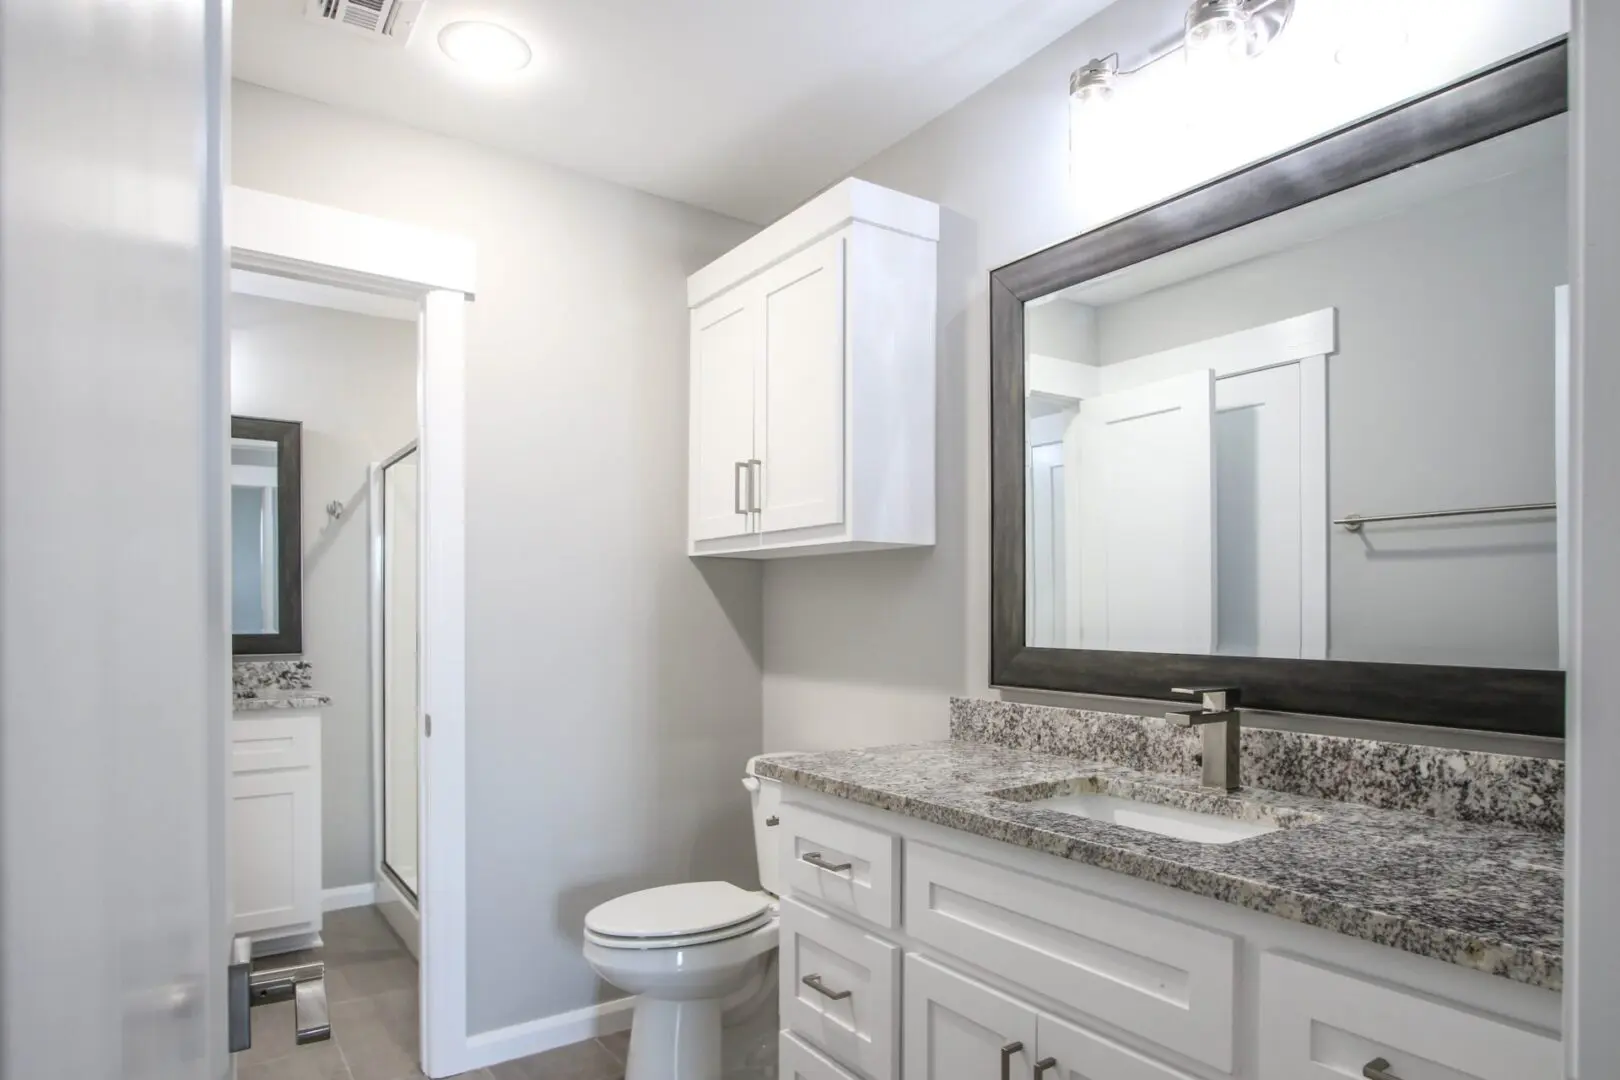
[1206,428]
[255,590]
[400,528]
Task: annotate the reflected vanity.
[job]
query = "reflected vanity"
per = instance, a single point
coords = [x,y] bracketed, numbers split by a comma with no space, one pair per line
[1302,431]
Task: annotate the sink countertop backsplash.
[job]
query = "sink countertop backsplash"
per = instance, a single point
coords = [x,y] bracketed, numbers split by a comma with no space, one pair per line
[1452,785]
[1453,855]
[258,685]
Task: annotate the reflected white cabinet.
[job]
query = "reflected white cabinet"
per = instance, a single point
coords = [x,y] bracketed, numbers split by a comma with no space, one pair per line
[275,828]
[812,382]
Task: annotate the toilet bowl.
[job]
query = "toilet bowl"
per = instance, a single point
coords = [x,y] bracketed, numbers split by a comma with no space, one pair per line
[684,950]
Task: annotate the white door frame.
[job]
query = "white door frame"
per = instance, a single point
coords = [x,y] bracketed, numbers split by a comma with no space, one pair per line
[309,242]
[1307,340]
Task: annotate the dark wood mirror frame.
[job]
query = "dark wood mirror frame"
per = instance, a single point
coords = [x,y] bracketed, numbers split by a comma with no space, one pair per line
[289,636]
[1523,91]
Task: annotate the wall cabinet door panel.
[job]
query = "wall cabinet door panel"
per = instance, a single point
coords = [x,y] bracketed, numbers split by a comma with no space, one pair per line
[801,397]
[725,358]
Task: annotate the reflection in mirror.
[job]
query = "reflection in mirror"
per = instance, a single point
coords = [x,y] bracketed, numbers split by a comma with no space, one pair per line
[400,528]
[255,594]
[1203,429]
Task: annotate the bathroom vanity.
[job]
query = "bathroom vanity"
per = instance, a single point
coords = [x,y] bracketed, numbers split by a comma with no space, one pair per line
[274,795]
[950,916]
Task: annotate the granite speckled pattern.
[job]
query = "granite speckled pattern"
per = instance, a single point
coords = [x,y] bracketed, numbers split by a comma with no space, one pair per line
[260,685]
[1486,897]
[1456,785]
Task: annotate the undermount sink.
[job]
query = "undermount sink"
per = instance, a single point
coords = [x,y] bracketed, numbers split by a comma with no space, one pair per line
[1226,820]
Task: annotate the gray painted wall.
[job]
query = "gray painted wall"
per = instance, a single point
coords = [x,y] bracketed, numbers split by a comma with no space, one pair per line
[1441,395]
[864,649]
[613,683]
[351,381]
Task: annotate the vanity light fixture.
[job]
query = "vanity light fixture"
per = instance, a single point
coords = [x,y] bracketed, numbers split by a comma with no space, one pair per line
[1216,32]
[487,47]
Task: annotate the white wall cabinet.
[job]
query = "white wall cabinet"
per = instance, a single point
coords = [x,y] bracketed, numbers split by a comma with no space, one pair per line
[1021,965]
[275,828]
[812,382]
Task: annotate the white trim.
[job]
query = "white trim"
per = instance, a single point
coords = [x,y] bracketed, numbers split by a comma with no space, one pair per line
[537,1036]
[272,233]
[319,243]
[399,912]
[1314,519]
[348,896]
[1284,342]
[1053,376]
[317,294]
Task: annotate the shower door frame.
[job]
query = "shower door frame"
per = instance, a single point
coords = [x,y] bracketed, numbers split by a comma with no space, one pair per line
[310,242]
[391,893]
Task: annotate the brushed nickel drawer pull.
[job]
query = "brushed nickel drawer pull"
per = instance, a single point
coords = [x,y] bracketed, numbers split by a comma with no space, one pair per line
[1378,1069]
[814,982]
[1042,1065]
[1007,1053]
[816,859]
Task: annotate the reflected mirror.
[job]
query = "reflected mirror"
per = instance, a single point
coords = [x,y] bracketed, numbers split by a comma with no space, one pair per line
[266,571]
[1333,433]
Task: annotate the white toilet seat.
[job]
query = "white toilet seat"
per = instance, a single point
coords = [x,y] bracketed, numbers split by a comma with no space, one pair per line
[678,916]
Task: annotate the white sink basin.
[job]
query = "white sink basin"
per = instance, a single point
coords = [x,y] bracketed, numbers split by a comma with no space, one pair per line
[1150,817]
[1221,819]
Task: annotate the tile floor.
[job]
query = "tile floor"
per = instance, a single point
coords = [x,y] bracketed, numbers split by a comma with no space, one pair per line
[371,991]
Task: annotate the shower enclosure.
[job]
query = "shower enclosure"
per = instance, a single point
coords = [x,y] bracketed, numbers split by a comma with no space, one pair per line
[396,713]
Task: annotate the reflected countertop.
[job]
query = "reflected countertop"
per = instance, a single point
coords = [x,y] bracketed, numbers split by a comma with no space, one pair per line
[268,700]
[1482,895]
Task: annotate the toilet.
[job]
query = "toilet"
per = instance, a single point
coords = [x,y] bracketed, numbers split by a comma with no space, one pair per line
[684,950]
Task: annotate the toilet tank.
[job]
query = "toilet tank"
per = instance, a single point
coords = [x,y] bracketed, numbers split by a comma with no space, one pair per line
[766,795]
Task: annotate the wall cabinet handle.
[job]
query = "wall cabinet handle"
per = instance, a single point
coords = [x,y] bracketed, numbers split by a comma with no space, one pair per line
[814,982]
[817,860]
[1007,1053]
[1042,1065]
[737,472]
[756,481]
[1378,1069]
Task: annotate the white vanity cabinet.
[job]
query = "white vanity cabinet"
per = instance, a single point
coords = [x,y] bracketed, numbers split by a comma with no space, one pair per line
[1000,963]
[812,381]
[275,828]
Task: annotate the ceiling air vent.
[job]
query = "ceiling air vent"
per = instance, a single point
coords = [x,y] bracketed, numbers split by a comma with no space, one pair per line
[380,20]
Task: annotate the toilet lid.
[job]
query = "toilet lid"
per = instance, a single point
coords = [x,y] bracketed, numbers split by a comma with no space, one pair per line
[697,907]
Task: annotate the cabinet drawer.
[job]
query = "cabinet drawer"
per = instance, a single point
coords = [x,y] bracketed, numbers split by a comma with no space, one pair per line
[1320,1024]
[800,1062]
[1078,1054]
[282,742]
[843,865]
[1167,981]
[849,1009]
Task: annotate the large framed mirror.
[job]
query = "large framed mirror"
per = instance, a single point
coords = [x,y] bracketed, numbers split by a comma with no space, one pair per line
[1302,431]
[267,605]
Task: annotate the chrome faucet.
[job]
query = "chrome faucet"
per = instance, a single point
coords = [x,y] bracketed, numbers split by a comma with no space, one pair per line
[1223,733]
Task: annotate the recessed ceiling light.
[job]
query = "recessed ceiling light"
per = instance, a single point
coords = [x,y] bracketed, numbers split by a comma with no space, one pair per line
[485,46]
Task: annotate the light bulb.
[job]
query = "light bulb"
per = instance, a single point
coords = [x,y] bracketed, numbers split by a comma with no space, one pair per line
[485,47]
[1217,33]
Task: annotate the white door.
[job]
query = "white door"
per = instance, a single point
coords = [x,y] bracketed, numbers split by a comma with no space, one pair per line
[1046,586]
[114,646]
[275,828]
[1259,524]
[801,394]
[1143,519]
[958,1029]
[725,359]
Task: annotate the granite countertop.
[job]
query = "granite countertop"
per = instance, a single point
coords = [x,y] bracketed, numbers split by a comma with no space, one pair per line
[1481,895]
[266,700]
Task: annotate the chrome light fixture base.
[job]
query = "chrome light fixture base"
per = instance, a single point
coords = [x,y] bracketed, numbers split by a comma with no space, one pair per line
[1095,81]
[1247,26]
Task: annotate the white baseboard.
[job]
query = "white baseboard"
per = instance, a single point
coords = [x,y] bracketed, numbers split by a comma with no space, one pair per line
[348,896]
[537,1036]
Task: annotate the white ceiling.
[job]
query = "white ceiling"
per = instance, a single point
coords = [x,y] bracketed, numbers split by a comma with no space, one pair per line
[747,107]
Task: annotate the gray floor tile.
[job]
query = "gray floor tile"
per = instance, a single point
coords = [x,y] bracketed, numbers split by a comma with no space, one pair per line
[587,1060]
[617,1045]
[318,1061]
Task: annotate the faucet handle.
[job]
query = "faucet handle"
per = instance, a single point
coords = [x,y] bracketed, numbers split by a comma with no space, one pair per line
[1216,698]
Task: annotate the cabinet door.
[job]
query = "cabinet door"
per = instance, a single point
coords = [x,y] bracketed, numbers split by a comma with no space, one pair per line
[958,1029]
[1078,1054]
[275,854]
[801,397]
[725,356]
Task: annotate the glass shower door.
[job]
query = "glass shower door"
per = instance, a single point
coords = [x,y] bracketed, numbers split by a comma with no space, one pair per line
[400,639]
